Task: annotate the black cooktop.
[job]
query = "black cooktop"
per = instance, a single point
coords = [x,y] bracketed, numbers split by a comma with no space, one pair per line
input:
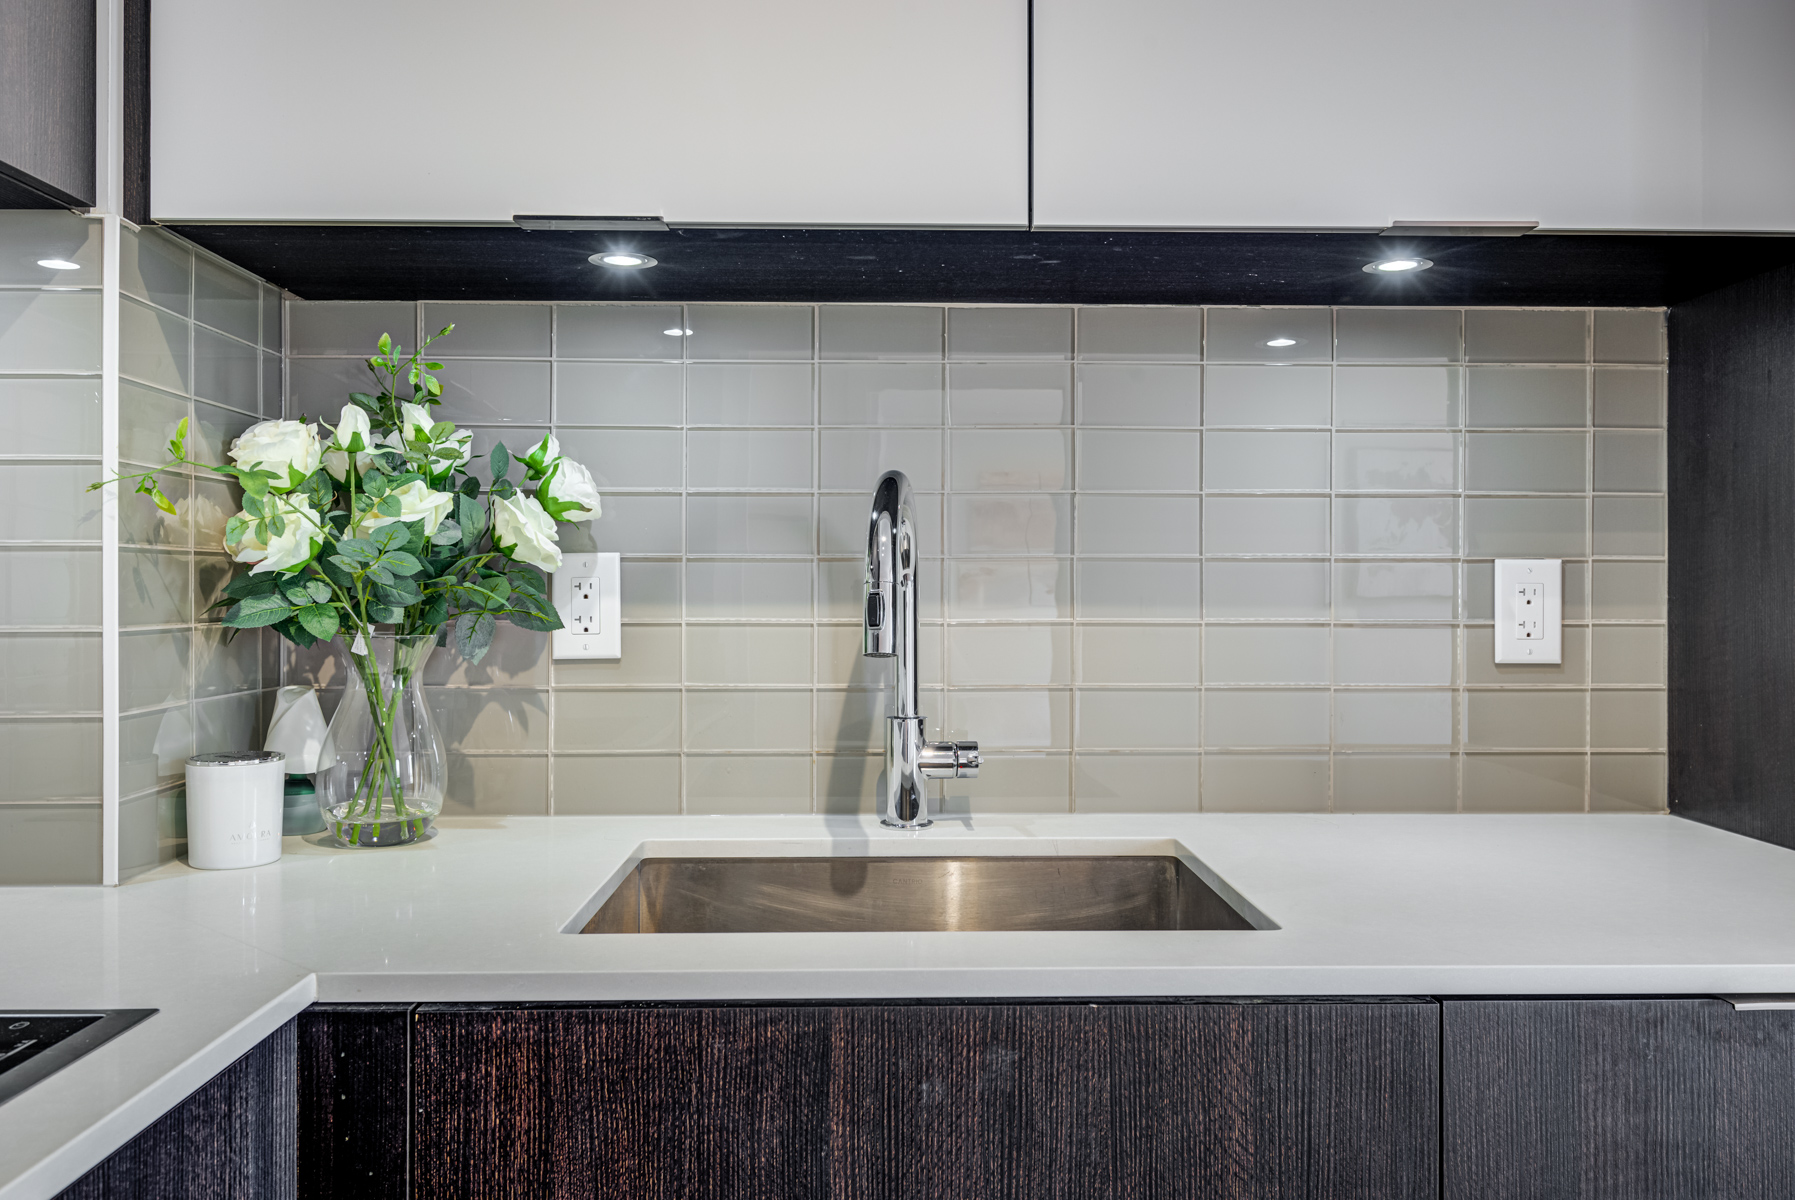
[35,1045]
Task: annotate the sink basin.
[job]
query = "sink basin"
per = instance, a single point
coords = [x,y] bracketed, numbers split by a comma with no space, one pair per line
[867,895]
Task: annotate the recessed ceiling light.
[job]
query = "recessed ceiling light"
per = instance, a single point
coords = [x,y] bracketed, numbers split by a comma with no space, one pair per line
[1395,266]
[1281,341]
[677,332]
[625,259]
[58,264]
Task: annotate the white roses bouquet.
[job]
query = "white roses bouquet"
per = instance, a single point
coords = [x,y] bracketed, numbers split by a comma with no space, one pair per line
[379,522]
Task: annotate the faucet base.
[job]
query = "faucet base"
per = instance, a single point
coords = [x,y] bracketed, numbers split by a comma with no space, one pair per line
[891,824]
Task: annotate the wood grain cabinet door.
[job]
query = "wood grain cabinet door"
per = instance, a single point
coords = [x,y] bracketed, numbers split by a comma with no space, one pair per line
[1681,1099]
[1216,1100]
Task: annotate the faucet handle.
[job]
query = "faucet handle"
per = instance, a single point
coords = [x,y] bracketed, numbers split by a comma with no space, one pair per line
[950,760]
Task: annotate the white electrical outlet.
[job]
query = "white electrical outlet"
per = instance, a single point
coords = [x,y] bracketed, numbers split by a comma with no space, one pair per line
[1529,610]
[588,595]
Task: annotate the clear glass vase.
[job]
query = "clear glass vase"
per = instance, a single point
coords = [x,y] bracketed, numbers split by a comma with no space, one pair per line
[382,767]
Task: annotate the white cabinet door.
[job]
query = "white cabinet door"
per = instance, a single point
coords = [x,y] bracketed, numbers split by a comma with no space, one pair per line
[1318,114]
[800,112]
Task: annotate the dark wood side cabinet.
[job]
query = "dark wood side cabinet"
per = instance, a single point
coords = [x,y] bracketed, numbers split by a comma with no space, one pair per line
[233,1139]
[47,57]
[1676,1099]
[1204,1100]
[354,1081]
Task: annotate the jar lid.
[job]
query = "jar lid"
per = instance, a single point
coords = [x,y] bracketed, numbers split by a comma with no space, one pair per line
[237,758]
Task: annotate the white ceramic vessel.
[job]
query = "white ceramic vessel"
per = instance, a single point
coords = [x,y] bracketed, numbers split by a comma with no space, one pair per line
[234,809]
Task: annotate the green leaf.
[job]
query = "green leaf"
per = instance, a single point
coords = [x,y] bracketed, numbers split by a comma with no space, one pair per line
[470,514]
[533,613]
[385,343]
[400,563]
[319,590]
[256,612]
[401,592]
[297,594]
[177,444]
[470,486]
[388,537]
[389,506]
[339,571]
[434,612]
[434,366]
[252,504]
[525,579]
[277,522]
[500,461]
[245,586]
[358,550]
[319,620]
[473,635]
[444,331]
[498,585]
[294,632]
[447,533]
[382,614]
[379,574]
[319,488]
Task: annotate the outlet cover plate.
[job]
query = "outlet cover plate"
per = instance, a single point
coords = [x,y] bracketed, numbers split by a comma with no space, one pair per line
[604,638]
[1546,648]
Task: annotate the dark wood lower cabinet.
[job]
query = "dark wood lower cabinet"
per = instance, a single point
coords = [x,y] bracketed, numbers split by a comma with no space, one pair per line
[1673,1099]
[1203,1100]
[354,1092]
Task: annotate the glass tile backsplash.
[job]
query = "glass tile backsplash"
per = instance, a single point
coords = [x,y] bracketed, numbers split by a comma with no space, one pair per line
[1169,565]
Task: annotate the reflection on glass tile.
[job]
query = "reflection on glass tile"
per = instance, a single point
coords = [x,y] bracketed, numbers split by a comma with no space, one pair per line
[1395,462]
[744,720]
[1265,783]
[228,300]
[497,785]
[154,588]
[1037,526]
[1395,783]
[272,335]
[28,235]
[853,459]
[48,502]
[1266,462]
[1270,335]
[1122,589]
[1525,528]
[1527,397]
[881,393]
[1526,462]
[1010,460]
[748,590]
[1265,654]
[1004,589]
[879,331]
[842,520]
[746,524]
[1627,783]
[1429,335]
[1629,335]
[226,371]
[1007,655]
[1017,720]
[1265,589]
[748,332]
[490,330]
[1629,525]
[1251,718]
[1139,524]
[337,327]
[1532,335]
[993,333]
[1265,525]
[318,388]
[1126,460]
[1629,397]
[1397,396]
[1393,591]
[153,266]
[1396,525]
[152,346]
[1524,782]
[773,459]
[625,458]
[1629,462]
[51,416]
[616,331]
[1393,718]
[1134,720]
[1372,654]
[1010,394]
[1266,395]
[1141,334]
[1148,394]
[1016,783]
[495,391]
[618,393]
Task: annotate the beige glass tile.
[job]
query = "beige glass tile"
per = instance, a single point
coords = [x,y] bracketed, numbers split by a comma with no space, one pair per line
[1629,397]
[1116,588]
[841,661]
[994,333]
[738,719]
[1631,720]
[854,459]
[616,784]
[490,330]
[273,386]
[851,722]
[631,525]
[841,589]
[1629,462]
[1141,334]
[1427,335]
[748,525]
[636,458]
[228,300]
[1629,525]
[1391,525]
[492,718]
[1627,654]
[1010,460]
[49,758]
[1251,718]
[339,327]
[1629,335]
[620,393]
[748,654]
[1526,462]
[1399,397]
[1009,720]
[882,393]
[1524,720]
[1266,395]
[1037,526]
[1395,462]
[152,345]
[1136,782]
[1481,666]
[879,331]
[1479,591]
[848,783]
[1628,591]
[1021,393]
[1265,524]
[750,394]
[153,266]
[48,502]
[1265,462]
[50,673]
[1139,654]
[227,371]
[318,388]
[1246,335]
[517,658]
[1393,718]
[49,844]
[1004,589]
[776,460]
[154,747]
[622,720]
[843,521]
[1393,591]
[211,433]
[1628,783]
[1391,654]
[30,234]
[1138,719]
[1525,528]
[224,665]
[748,590]
[1527,397]
[1009,655]
[1524,782]
[1265,654]
[497,785]
[1126,460]
[618,331]
[494,391]
[650,656]
[155,588]
[1265,783]
[1139,524]
[1530,335]
[748,784]
[749,332]
[1014,783]
[1408,783]
[52,416]
[141,523]
[1150,394]
[1265,589]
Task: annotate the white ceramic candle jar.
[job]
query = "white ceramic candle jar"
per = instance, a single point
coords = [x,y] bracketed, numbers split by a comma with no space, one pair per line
[234,809]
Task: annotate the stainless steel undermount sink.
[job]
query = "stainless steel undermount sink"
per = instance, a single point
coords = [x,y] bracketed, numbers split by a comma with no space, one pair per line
[912,894]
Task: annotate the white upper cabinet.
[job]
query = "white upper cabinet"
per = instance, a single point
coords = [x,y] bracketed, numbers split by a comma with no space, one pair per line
[778,112]
[1320,114]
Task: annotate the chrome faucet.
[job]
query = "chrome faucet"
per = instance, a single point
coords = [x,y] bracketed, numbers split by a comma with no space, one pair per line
[889,625]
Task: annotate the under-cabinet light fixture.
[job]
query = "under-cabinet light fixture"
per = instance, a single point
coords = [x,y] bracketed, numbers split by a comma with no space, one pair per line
[622,259]
[1281,342]
[58,264]
[1394,266]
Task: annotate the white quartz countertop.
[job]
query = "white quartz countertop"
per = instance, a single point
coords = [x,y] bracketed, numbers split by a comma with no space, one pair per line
[1362,905]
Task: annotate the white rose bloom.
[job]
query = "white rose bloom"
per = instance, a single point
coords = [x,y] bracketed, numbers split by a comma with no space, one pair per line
[292,547]
[572,483]
[353,420]
[447,452]
[541,456]
[522,530]
[283,447]
[416,503]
